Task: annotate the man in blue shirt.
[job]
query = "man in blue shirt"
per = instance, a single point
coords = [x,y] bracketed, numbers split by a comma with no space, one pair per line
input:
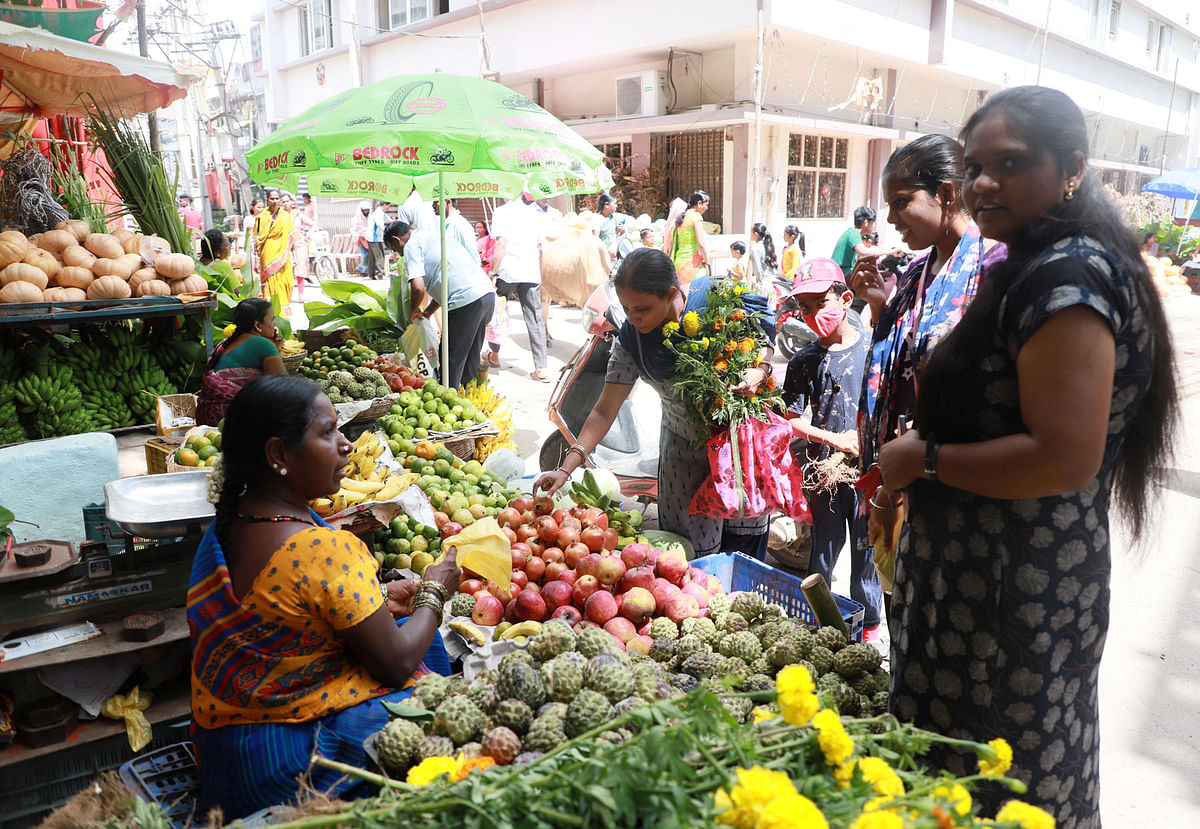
[470,297]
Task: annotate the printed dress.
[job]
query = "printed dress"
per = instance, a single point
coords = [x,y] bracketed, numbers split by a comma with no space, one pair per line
[1003,606]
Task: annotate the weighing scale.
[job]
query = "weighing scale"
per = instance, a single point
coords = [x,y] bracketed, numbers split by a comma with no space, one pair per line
[163,517]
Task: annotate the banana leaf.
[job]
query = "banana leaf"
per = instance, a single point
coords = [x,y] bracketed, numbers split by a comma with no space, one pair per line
[360,307]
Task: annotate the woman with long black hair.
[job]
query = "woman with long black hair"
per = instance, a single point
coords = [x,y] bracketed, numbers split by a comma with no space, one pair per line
[1055,392]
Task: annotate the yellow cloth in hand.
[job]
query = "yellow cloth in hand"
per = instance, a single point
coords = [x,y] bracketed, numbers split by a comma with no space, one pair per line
[484,548]
[130,707]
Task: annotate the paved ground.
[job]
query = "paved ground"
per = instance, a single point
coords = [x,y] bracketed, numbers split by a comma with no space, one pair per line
[1150,677]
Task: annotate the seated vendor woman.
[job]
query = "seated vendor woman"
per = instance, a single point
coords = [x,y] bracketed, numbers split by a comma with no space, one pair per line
[249,352]
[295,643]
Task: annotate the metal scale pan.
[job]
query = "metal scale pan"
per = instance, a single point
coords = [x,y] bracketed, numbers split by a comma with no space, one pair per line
[160,506]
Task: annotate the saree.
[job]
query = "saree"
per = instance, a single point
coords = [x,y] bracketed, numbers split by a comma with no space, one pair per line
[218,387]
[273,239]
[908,329]
[257,682]
[685,249]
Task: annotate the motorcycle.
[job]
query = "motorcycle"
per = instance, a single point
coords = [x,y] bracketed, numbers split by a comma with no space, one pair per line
[630,449]
[791,334]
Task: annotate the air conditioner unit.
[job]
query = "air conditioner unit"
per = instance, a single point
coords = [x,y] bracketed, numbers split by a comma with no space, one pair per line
[642,95]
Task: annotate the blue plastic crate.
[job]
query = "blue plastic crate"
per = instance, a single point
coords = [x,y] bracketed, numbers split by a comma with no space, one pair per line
[168,777]
[740,572]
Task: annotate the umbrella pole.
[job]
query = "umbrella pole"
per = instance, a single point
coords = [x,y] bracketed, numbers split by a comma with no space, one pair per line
[445,287]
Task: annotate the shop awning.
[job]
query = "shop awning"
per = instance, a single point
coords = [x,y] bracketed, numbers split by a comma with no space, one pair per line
[43,74]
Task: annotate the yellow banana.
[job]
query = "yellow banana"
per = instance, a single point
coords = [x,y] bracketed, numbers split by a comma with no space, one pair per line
[469,632]
[528,628]
[351,496]
[364,487]
[322,506]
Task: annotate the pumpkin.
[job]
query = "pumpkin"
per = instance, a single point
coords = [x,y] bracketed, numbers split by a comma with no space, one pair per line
[150,287]
[52,294]
[133,260]
[141,276]
[133,244]
[193,284]
[74,277]
[43,260]
[13,247]
[55,240]
[121,235]
[77,228]
[104,246]
[237,260]
[175,265]
[72,295]
[20,291]
[153,247]
[112,267]
[109,287]
[78,256]
[25,273]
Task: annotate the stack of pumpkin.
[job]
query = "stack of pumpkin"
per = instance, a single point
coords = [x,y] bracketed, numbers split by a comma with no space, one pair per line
[71,263]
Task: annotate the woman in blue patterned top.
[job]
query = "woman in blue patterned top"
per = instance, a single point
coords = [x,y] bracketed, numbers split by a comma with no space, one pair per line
[650,293]
[1056,388]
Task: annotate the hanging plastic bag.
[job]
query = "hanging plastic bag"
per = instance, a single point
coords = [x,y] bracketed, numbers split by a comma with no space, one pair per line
[752,473]
[420,343]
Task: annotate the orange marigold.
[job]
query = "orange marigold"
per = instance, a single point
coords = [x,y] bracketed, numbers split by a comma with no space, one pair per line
[738,315]
[718,324]
[746,345]
[475,763]
[730,347]
[718,403]
[720,365]
[770,383]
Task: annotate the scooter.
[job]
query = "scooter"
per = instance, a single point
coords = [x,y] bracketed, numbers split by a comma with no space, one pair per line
[791,334]
[630,449]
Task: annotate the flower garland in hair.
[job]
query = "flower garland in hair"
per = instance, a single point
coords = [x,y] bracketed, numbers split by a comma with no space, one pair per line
[216,480]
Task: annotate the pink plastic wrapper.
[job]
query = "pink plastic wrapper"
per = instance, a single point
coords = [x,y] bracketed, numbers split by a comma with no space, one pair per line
[754,474]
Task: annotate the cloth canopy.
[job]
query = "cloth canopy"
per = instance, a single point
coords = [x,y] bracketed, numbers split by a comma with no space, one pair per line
[1177,184]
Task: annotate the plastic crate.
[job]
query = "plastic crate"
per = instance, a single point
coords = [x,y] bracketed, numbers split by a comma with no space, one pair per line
[740,572]
[168,777]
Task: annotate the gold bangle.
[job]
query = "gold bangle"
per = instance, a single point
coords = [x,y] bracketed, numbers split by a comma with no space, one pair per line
[437,587]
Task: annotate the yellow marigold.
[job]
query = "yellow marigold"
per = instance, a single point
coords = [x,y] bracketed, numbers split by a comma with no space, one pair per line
[792,812]
[430,769]
[756,789]
[691,323]
[797,699]
[835,743]
[762,713]
[998,760]
[881,776]
[878,820]
[956,796]
[746,345]
[474,764]
[1025,816]
[228,330]
[670,328]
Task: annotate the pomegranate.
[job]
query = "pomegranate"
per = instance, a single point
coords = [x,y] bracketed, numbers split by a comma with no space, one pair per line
[510,534]
[521,503]
[530,605]
[519,555]
[535,568]
[471,586]
[566,537]
[553,570]
[593,539]
[509,517]
[519,579]
[610,539]
[559,514]
[571,522]
[596,517]
[526,532]
[504,594]
[556,593]
[574,553]
[589,565]
[552,554]
[543,505]
[536,546]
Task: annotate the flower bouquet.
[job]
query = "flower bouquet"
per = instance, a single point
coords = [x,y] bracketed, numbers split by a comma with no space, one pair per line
[753,472]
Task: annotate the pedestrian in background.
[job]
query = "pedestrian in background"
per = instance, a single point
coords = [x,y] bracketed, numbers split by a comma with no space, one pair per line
[376,255]
[1055,389]
[358,230]
[850,245]
[685,241]
[763,261]
[517,266]
[793,251]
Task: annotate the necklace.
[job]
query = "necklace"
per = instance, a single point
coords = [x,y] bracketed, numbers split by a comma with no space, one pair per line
[274,519]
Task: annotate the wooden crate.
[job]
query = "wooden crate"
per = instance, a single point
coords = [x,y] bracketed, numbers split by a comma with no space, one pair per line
[159,451]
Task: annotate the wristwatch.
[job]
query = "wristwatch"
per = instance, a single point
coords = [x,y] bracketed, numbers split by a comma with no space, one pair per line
[932,447]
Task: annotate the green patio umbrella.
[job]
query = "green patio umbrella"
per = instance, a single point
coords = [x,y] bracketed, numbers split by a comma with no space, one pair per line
[441,134]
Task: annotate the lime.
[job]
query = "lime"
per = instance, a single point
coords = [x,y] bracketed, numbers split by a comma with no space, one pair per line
[206,452]
[420,543]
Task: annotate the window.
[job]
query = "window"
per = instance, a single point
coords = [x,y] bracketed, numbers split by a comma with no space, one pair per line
[1163,56]
[316,26]
[618,157]
[393,14]
[817,172]
[1114,18]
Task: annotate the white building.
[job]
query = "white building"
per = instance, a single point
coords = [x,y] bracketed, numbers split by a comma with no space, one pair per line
[672,81]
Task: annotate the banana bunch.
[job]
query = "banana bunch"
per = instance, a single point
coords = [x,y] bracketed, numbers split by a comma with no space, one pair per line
[291,348]
[586,492]
[104,405]
[11,430]
[366,479]
[53,402]
[494,407]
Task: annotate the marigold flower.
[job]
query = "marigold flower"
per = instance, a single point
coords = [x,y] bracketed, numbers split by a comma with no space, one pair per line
[228,330]
[720,365]
[475,763]
[792,812]
[956,797]
[670,329]
[691,323]
[718,403]
[997,761]
[1025,815]
[835,743]
[770,383]
[430,769]
[730,347]
[738,315]
[878,820]
[797,700]
[762,713]
[881,776]
[746,345]
[765,799]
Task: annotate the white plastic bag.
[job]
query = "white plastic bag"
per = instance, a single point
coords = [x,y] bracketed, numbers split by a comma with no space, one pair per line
[420,343]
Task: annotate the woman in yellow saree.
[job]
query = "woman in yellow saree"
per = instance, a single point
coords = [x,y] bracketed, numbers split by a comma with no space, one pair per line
[272,235]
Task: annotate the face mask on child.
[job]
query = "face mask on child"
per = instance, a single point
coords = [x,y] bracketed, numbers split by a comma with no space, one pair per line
[826,320]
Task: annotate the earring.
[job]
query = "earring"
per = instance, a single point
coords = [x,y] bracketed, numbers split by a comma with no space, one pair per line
[283,471]
[1070,191]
